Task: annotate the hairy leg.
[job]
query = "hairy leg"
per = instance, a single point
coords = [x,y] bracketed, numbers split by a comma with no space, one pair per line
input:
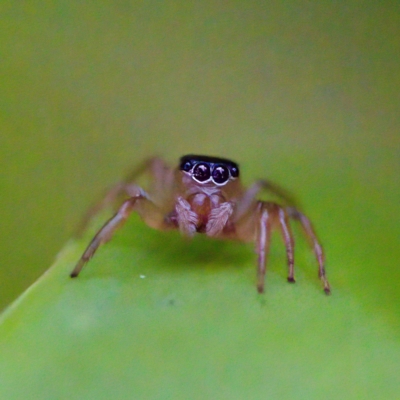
[272,215]
[312,238]
[262,244]
[106,232]
[288,239]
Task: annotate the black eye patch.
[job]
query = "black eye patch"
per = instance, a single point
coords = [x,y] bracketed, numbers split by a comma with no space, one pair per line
[187,162]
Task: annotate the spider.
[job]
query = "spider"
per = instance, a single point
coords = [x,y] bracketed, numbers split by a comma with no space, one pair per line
[204,195]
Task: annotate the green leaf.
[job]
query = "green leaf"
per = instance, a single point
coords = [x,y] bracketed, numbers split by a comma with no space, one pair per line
[153,316]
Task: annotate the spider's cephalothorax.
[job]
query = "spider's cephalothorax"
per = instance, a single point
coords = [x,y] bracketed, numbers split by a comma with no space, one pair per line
[204,195]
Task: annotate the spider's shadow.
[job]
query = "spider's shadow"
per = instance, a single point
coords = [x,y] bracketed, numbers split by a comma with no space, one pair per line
[177,252]
[171,251]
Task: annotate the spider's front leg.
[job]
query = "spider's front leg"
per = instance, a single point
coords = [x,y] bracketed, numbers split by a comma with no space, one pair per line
[271,214]
[127,188]
[108,229]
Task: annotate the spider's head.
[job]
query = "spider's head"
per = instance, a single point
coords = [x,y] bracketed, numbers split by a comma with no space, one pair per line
[209,170]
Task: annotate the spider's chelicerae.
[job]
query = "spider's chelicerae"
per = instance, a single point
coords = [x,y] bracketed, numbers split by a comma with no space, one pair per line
[204,195]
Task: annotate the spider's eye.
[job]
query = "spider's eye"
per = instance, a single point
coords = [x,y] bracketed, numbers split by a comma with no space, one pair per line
[234,171]
[186,166]
[220,174]
[201,172]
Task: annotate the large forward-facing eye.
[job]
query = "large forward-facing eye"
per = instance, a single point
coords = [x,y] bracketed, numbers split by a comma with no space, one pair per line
[201,172]
[220,174]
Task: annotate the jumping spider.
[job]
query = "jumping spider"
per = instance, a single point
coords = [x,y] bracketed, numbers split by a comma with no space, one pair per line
[204,195]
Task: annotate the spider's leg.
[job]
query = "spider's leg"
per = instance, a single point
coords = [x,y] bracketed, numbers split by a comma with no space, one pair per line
[105,233]
[149,164]
[262,244]
[126,188]
[312,237]
[109,199]
[288,239]
[246,201]
[279,191]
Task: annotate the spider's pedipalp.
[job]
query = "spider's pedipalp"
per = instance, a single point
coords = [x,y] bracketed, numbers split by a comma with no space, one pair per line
[218,219]
[186,218]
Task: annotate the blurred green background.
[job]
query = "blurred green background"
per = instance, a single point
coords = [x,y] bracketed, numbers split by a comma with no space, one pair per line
[303,93]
